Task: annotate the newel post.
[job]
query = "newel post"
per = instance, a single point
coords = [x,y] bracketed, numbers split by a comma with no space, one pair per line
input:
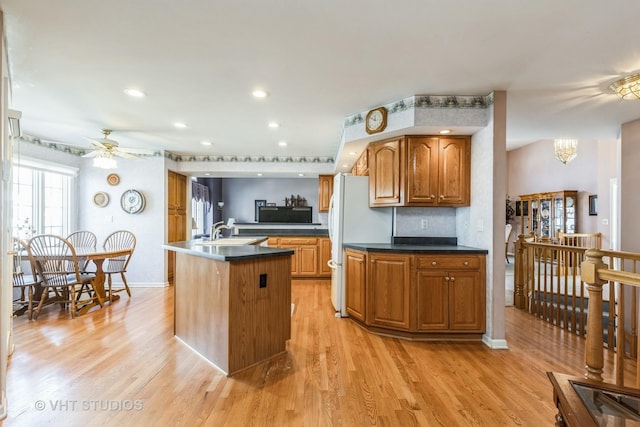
[594,356]
[518,273]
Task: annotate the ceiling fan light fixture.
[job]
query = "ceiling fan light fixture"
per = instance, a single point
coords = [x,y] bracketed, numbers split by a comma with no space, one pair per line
[628,87]
[105,161]
[565,150]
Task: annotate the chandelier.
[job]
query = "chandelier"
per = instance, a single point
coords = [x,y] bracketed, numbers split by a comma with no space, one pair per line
[565,150]
[628,87]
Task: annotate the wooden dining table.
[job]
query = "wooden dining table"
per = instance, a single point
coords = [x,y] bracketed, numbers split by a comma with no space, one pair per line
[98,258]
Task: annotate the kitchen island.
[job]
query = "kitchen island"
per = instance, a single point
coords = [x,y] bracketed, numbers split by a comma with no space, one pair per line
[417,291]
[232,303]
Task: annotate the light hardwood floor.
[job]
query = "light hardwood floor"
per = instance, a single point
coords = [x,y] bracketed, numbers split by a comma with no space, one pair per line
[121,366]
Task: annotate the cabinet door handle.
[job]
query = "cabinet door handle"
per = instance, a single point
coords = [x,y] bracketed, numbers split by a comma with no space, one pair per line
[433,263]
[466,263]
[442,196]
[453,279]
[433,196]
[446,278]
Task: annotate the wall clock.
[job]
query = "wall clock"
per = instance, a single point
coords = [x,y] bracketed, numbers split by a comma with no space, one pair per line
[132,201]
[376,120]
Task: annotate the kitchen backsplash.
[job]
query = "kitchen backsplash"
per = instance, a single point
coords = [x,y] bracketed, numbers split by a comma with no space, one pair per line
[440,222]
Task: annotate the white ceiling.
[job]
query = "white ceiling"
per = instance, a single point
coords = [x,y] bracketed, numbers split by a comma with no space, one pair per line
[199,60]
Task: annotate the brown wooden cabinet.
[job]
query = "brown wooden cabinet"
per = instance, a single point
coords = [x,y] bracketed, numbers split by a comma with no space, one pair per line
[361,166]
[420,170]
[388,291]
[325,255]
[176,215]
[450,293]
[546,214]
[325,190]
[310,255]
[419,296]
[386,172]
[355,283]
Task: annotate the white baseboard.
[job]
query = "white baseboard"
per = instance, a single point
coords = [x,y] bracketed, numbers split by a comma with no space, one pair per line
[500,344]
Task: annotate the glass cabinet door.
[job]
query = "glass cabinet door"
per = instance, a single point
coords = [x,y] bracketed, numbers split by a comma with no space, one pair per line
[558,215]
[571,215]
[545,218]
[534,217]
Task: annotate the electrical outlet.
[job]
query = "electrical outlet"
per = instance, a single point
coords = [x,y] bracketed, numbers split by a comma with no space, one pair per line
[605,221]
[425,223]
[480,225]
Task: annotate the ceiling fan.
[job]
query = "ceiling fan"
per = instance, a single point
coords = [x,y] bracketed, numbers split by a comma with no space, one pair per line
[105,149]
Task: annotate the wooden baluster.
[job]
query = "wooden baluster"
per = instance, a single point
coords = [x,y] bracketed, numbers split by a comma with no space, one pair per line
[594,356]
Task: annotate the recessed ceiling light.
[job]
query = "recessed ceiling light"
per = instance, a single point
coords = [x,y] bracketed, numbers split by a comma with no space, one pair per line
[445,131]
[300,174]
[352,153]
[259,93]
[345,166]
[207,143]
[136,93]
[274,125]
[180,125]
[207,174]
[259,174]
[282,143]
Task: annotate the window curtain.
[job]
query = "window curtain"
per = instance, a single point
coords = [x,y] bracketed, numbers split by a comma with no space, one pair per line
[200,193]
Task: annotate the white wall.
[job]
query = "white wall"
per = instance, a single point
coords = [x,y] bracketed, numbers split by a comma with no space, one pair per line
[147,175]
[534,169]
[239,195]
[629,181]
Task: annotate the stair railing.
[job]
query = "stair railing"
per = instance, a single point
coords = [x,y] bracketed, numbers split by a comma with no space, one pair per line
[619,270]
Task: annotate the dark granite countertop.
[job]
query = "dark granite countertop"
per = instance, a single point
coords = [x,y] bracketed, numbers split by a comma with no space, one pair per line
[415,248]
[226,253]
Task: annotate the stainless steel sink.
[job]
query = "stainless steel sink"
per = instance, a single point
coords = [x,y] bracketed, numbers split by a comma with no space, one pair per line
[229,241]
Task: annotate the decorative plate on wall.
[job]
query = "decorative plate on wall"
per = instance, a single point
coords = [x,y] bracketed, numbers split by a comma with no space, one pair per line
[101,199]
[113,179]
[132,201]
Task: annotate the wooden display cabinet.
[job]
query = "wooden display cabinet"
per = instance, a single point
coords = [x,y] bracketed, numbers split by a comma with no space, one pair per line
[546,214]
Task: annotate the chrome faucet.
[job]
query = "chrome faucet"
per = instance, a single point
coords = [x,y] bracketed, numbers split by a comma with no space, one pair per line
[216,230]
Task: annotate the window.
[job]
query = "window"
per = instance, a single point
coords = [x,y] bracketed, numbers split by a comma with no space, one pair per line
[42,198]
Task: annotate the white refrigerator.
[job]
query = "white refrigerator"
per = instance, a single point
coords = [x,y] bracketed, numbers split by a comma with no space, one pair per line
[351,220]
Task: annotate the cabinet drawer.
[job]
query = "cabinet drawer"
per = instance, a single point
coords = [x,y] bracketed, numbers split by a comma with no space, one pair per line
[298,241]
[439,262]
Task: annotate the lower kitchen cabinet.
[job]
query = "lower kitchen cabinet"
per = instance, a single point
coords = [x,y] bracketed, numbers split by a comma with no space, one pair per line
[355,277]
[388,291]
[325,255]
[417,296]
[310,255]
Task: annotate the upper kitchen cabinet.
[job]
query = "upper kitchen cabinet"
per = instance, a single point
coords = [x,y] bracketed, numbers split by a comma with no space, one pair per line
[420,170]
[361,166]
[386,172]
[325,190]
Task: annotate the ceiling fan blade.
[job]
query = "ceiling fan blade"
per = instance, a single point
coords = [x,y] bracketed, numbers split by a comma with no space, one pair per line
[120,153]
[96,143]
[136,150]
[92,153]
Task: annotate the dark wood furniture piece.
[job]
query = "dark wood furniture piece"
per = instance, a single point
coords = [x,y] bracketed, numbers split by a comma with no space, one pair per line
[583,403]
